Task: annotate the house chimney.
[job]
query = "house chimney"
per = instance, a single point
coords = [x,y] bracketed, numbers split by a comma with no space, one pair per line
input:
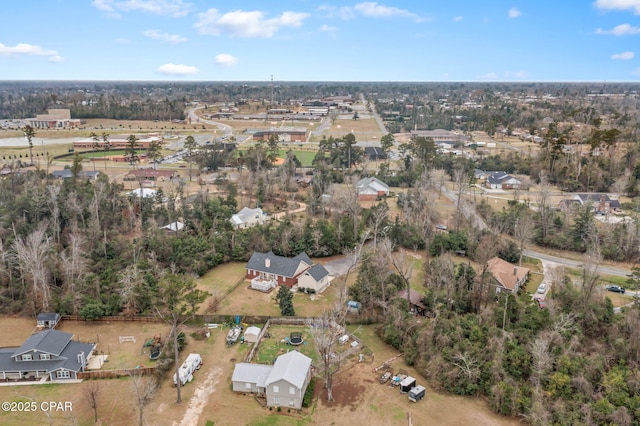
[515,270]
[267,263]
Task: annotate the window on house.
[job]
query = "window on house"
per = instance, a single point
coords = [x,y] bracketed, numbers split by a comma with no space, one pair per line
[45,357]
[27,357]
[276,400]
[63,374]
[292,390]
[247,386]
[276,389]
[291,401]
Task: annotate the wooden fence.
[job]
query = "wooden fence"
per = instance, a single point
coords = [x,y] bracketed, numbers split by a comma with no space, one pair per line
[114,374]
[114,318]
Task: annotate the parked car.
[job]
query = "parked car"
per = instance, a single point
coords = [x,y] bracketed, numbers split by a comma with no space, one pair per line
[542,288]
[615,289]
[540,303]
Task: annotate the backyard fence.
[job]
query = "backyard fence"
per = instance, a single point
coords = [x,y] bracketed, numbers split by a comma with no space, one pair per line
[113,318]
[114,374]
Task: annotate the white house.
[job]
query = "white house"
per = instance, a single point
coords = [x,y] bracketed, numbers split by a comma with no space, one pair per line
[284,383]
[317,278]
[247,218]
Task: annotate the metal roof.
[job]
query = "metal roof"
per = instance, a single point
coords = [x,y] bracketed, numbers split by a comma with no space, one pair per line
[291,367]
[251,373]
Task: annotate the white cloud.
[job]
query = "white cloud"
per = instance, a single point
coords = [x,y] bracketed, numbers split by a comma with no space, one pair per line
[169,38]
[176,69]
[515,74]
[225,60]
[175,8]
[246,24]
[29,50]
[375,10]
[328,28]
[122,41]
[620,30]
[624,56]
[457,18]
[514,13]
[489,76]
[368,9]
[619,5]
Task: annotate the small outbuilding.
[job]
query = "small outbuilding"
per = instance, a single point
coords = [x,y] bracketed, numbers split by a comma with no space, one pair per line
[251,334]
[48,320]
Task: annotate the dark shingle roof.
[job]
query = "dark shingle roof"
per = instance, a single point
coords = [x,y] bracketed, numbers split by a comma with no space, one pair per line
[318,272]
[49,341]
[278,265]
[48,316]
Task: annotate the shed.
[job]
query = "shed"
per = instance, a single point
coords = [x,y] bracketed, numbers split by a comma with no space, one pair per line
[251,334]
[47,320]
[407,384]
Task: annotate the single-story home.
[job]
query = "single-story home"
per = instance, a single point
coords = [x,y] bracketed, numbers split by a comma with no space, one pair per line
[284,383]
[317,278]
[375,153]
[49,354]
[47,320]
[277,270]
[600,203]
[369,189]
[248,218]
[502,180]
[508,277]
[415,301]
[151,174]
[82,174]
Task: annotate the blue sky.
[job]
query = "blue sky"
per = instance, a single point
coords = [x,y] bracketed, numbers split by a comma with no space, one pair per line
[421,40]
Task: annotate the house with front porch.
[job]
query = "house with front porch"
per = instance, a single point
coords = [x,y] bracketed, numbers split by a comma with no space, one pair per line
[268,270]
[45,355]
[507,277]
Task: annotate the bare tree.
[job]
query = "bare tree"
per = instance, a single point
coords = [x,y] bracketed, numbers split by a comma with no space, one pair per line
[92,393]
[144,387]
[542,361]
[467,364]
[543,204]
[325,331]
[524,232]
[378,215]
[402,265]
[74,263]
[32,255]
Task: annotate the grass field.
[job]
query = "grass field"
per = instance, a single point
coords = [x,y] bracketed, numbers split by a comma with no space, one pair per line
[220,280]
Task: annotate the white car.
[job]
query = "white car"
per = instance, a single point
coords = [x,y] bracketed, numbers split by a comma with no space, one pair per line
[542,288]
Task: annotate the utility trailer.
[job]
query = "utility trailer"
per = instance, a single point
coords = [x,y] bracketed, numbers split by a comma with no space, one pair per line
[417,393]
[407,384]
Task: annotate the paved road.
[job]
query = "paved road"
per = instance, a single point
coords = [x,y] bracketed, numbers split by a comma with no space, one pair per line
[191,113]
[603,269]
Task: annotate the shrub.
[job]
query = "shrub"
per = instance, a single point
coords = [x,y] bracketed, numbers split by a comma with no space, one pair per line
[308,395]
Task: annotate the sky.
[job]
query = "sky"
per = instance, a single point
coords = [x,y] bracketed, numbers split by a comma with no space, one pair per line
[303,40]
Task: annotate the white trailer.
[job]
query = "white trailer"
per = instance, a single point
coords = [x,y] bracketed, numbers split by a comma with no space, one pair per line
[188,367]
[417,393]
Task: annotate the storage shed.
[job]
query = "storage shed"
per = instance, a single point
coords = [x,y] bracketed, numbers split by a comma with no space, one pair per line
[47,320]
[251,334]
[407,384]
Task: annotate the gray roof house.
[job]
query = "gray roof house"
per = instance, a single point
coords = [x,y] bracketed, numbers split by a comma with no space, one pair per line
[49,354]
[502,180]
[600,203]
[247,218]
[47,320]
[276,270]
[370,188]
[284,382]
[82,174]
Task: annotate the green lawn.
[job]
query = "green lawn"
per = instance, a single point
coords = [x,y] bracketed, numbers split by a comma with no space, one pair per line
[273,346]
